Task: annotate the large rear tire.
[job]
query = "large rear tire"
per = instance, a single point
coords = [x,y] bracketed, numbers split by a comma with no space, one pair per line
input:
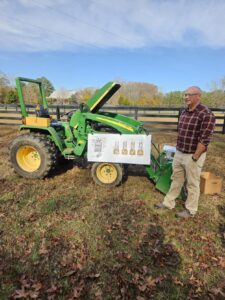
[32,156]
[107,174]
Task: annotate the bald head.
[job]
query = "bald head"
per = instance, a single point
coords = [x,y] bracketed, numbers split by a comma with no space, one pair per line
[192,96]
[194,89]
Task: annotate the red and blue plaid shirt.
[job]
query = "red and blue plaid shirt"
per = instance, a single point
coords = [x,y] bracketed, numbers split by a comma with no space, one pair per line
[195,127]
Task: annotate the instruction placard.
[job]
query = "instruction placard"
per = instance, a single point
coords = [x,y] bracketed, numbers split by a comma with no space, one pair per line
[119,148]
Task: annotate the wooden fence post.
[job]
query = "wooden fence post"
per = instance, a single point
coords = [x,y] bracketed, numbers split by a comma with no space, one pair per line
[135,113]
[223,130]
[57,113]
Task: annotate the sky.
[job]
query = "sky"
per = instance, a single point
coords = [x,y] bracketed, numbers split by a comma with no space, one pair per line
[86,43]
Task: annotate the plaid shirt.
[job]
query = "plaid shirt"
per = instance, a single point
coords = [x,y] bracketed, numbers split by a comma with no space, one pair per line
[195,127]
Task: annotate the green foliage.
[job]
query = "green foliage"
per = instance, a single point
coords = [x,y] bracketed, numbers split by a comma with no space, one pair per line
[137,93]
[173,99]
[8,95]
[84,94]
[123,100]
[131,93]
[11,97]
[214,99]
[73,99]
[3,93]
[47,85]
[148,100]
[6,196]
[48,206]
[31,93]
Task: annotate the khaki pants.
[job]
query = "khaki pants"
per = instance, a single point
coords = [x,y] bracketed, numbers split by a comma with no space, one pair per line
[185,169]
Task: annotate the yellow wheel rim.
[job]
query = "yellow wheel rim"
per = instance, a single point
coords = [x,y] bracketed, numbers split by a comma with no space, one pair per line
[28,158]
[106,173]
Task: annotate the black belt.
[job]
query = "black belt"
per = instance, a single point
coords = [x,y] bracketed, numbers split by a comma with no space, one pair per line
[186,152]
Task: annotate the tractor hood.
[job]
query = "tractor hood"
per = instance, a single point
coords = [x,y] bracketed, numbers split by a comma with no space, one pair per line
[102,96]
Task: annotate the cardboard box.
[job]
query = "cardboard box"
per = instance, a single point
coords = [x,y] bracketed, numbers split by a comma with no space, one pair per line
[210,183]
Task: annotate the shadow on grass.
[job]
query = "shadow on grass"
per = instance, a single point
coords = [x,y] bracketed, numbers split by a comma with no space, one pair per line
[133,170]
[148,272]
[65,164]
[126,258]
[137,263]
[137,170]
[221,209]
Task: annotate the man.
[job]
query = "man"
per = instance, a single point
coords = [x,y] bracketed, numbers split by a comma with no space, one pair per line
[195,130]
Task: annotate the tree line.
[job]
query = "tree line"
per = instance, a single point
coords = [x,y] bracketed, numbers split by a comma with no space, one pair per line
[130,94]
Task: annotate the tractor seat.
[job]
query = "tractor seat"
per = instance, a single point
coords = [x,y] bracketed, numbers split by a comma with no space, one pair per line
[42,112]
[56,123]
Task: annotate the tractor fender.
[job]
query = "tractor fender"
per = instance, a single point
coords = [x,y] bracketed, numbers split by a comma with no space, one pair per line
[46,130]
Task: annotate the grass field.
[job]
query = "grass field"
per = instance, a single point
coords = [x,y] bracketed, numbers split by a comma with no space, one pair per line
[66,238]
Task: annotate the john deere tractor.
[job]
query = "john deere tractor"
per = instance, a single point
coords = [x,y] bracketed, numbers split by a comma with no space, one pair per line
[35,154]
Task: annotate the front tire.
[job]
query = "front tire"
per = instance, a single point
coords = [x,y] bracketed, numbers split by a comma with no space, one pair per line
[32,156]
[107,174]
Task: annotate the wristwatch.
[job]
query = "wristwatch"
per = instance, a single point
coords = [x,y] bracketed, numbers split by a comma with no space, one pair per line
[194,159]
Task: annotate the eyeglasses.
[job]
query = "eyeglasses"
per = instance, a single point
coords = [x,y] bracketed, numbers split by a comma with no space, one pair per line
[189,94]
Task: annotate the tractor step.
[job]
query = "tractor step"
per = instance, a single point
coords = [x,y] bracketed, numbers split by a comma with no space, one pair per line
[70,156]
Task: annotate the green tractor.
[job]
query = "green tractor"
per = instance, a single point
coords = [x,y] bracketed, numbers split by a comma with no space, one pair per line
[49,141]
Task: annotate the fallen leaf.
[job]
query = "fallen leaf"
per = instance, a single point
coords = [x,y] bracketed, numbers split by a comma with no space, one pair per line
[98,294]
[221,262]
[77,292]
[37,286]
[19,294]
[140,298]
[69,273]
[43,249]
[33,294]
[177,281]
[151,281]
[52,289]
[142,287]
